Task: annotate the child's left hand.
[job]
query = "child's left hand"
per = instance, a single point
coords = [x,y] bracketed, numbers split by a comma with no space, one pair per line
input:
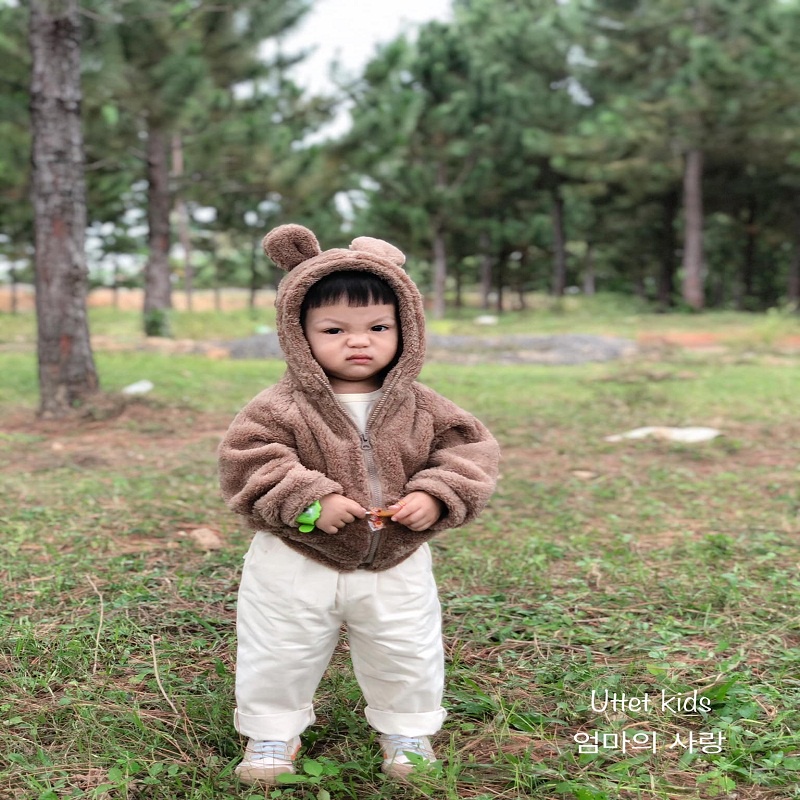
[417,511]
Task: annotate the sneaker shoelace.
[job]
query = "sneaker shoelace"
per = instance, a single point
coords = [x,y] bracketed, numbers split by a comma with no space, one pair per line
[398,745]
[271,749]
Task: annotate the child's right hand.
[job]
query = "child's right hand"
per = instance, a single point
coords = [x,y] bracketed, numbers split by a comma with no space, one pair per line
[337,511]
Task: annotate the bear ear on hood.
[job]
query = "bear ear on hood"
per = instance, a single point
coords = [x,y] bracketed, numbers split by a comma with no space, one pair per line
[290,245]
[377,247]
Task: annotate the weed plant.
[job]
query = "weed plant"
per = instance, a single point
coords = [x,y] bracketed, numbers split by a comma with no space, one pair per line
[600,573]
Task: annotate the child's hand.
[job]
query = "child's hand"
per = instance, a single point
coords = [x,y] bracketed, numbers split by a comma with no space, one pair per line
[337,511]
[418,511]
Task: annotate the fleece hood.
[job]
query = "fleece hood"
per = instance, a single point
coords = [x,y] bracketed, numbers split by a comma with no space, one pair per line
[296,250]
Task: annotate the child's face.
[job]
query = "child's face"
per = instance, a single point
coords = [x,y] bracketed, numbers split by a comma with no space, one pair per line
[352,344]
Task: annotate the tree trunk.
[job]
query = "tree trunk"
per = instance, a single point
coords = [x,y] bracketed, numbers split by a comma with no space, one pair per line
[157,285]
[523,305]
[693,230]
[115,285]
[717,295]
[794,266]
[182,216]
[589,277]
[439,251]
[559,245]
[486,270]
[14,289]
[439,271]
[639,286]
[217,287]
[67,373]
[500,278]
[745,289]
[665,284]
[254,253]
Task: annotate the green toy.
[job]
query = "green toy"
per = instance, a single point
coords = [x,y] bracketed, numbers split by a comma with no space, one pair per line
[307,520]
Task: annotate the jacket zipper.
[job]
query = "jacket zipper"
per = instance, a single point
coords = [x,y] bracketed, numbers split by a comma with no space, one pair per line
[376,494]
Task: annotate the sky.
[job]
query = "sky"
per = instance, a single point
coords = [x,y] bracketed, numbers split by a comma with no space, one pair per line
[350,30]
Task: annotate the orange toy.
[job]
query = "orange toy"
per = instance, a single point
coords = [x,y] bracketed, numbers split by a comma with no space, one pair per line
[381,512]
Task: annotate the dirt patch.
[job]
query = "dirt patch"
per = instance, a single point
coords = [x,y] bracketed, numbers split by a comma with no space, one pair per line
[707,341]
[691,339]
[605,487]
[107,432]
[112,432]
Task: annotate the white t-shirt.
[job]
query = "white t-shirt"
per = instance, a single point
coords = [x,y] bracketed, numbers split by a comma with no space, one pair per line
[359,406]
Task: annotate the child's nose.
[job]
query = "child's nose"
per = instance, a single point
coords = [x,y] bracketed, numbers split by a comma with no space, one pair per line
[358,340]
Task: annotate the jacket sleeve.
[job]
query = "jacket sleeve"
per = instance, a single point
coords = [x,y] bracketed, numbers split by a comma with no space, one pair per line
[462,468]
[261,476]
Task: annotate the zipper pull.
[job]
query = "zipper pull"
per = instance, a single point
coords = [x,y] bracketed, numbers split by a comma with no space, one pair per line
[365,445]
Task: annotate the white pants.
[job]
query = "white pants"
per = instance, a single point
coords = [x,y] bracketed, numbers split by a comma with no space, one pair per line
[289,614]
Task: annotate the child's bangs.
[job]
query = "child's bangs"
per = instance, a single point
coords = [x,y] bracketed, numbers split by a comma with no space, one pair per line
[353,287]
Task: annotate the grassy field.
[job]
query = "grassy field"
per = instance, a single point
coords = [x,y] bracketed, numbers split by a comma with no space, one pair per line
[664,578]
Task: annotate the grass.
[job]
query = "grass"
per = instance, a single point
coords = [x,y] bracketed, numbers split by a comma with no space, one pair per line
[636,569]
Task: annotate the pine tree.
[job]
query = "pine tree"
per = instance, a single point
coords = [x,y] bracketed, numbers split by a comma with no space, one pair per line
[67,373]
[170,59]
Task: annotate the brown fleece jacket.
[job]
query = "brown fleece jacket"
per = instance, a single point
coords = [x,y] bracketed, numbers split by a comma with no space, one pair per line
[294,443]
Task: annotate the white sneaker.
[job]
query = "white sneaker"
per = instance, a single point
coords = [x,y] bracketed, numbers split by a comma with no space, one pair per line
[264,760]
[397,749]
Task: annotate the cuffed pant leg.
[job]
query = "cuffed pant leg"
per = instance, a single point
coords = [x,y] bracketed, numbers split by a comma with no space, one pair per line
[287,629]
[394,626]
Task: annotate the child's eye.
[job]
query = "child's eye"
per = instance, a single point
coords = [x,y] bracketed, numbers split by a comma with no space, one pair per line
[332,330]
[380,327]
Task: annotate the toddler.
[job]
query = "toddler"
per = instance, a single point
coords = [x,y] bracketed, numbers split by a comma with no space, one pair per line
[345,468]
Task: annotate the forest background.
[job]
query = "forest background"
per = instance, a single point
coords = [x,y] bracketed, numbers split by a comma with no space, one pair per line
[523,149]
[638,147]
